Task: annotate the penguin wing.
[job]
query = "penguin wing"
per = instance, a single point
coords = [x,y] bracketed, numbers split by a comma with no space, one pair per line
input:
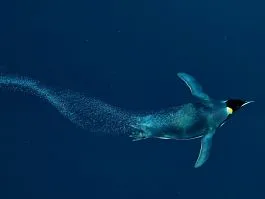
[206,144]
[195,87]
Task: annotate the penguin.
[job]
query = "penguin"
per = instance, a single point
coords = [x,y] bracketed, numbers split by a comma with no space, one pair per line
[198,120]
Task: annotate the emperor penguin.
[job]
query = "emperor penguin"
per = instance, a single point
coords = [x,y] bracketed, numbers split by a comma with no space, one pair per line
[198,120]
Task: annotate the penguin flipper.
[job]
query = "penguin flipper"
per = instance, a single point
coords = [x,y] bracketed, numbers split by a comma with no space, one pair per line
[194,86]
[206,144]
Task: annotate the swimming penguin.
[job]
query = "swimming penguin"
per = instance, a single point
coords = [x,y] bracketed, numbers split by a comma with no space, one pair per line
[189,121]
[184,122]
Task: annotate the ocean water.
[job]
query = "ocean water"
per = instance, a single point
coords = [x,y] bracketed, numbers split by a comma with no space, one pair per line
[128,54]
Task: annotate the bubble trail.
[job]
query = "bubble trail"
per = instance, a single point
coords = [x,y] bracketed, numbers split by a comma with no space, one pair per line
[87,113]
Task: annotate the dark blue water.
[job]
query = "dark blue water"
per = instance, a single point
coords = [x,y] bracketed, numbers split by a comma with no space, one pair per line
[128,53]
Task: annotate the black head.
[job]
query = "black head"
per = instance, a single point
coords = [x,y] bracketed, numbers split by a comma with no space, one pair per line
[236,104]
[233,105]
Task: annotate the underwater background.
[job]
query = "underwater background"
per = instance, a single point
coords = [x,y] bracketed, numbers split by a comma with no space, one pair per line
[128,53]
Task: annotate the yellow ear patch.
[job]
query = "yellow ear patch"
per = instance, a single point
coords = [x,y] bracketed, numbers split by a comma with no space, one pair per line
[229,110]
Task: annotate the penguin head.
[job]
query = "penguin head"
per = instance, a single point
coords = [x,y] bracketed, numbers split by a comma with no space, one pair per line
[233,105]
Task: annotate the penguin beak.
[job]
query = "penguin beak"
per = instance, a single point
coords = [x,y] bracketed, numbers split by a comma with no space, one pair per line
[247,102]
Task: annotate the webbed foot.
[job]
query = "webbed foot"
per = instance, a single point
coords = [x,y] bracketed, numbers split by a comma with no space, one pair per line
[138,133]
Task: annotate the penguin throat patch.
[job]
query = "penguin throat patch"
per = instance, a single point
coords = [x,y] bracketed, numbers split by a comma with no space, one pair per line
[229,110]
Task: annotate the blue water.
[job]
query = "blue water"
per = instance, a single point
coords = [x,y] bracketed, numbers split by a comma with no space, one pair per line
[128,53]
